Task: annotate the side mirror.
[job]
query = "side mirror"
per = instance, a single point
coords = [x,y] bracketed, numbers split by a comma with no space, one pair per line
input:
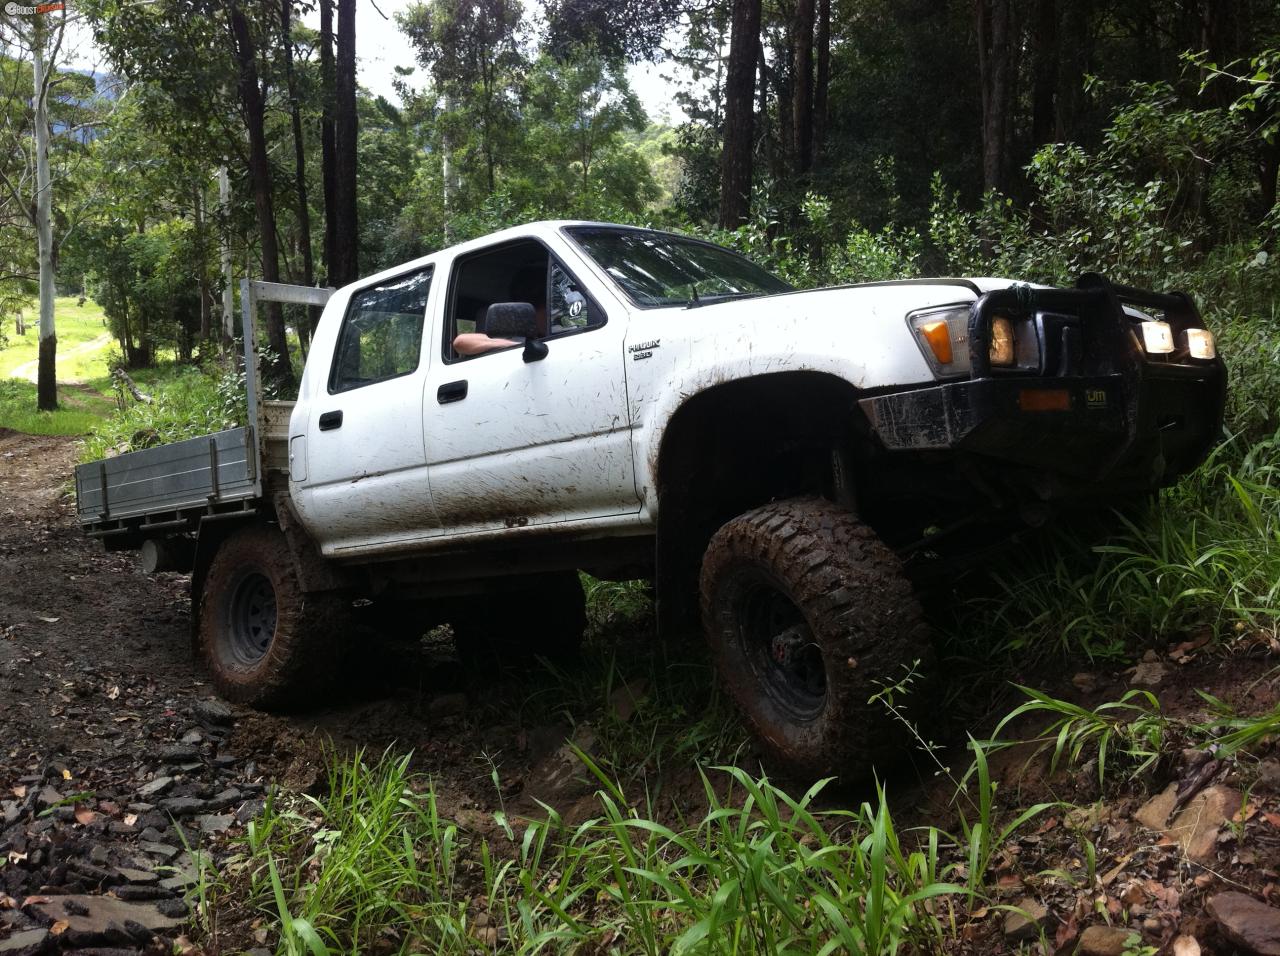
[511,320]
[516,320]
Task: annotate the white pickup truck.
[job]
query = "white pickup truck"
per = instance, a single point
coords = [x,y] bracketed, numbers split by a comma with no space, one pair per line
[474,427]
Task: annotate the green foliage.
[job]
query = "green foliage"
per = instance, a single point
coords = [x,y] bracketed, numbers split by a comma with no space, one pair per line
[186,402]
[1133,725]
[760,872]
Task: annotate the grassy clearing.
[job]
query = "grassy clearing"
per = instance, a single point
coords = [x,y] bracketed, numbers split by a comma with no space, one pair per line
[79,410]
[186,401]
[76,325]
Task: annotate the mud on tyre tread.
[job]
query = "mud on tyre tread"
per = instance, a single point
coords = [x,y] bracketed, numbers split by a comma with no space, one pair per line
[306,649]
[859,610]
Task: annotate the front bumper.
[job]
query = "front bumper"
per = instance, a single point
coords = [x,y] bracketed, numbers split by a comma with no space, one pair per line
[1103,417]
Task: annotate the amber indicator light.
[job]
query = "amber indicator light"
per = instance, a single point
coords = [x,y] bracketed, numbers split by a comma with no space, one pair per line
[1044,400]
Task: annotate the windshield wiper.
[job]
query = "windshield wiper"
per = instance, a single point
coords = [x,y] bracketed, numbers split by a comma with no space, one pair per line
[695,300]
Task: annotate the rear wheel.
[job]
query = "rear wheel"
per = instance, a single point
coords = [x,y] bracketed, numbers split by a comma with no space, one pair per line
[809,615]
[266,642]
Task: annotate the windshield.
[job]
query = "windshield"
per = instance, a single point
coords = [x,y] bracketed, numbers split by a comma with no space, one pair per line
[656,268]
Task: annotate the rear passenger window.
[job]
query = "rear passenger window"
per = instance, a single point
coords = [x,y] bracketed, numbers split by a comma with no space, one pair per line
[381,335]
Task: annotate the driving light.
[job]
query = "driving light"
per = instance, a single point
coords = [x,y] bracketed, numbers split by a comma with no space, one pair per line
[938,335]
[1001,352]
[1200,344]
[1157,337]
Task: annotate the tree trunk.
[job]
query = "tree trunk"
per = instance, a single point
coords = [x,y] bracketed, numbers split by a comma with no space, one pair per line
[328,148]
[739,116]
[251,101]
[46,377]
[300,176]
[299,149]
[346,266]
[802,87]
[1044,123]
[228,290]
[823,81]
[994,56]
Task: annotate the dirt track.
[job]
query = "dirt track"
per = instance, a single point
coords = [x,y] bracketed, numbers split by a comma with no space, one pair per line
[114,754]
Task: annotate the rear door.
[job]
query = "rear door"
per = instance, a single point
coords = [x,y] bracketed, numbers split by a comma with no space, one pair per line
[512,444]
[367,470]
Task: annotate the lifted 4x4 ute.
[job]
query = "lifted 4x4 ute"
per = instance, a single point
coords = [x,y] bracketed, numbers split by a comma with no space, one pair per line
[475,426]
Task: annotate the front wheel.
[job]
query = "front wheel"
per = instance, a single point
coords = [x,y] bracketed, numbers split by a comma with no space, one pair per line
[809,616]
[265,641]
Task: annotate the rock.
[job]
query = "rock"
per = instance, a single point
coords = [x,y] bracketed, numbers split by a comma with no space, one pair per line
[180,753]
[29,943]
[1247,923]
[1027,924]
[1148,674]
[626,700]
[1155,812]
[48,797]
[447,705]
[1268,776]
[1106,941]
[134,893]
[11,810]
[99,855]
[1196,826]
[1085,682]
[161,850]
[183,806]
[131,875]
[192,737]
[223,800]
[151,835]
[1150,657]
[213,712]
[215,823]
[174,908]
[93,920]
[1185,946]
[155,787]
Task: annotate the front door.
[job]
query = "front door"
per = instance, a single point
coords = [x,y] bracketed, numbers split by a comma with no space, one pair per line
[514,444]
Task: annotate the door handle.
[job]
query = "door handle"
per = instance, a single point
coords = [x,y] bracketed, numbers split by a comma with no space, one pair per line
[331,420]
[452,392]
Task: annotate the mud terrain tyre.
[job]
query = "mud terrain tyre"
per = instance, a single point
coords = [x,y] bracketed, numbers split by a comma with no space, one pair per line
[540,616]
[265,642]
[809,615]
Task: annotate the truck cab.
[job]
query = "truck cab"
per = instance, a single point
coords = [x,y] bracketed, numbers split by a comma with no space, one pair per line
[476,427]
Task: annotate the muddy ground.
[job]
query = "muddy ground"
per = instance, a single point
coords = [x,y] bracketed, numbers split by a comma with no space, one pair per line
[117,765]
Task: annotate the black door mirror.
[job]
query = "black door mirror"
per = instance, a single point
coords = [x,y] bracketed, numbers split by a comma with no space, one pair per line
[516,320]
[511,320]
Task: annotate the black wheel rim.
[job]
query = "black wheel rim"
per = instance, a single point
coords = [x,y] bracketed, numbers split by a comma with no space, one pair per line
[252,623]
[781,651]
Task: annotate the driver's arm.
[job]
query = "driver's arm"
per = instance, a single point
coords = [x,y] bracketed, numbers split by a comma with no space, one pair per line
[477,343]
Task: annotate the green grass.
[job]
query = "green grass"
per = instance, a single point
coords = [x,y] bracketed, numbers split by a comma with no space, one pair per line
[374,864]
[79,411]
[75,325]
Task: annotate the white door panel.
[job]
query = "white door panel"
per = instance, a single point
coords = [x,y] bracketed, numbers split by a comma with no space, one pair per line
[366,470]
[533,443]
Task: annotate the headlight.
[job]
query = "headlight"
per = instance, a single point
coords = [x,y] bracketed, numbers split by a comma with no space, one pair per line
[1200,344]
[1001,350]
[1157,337]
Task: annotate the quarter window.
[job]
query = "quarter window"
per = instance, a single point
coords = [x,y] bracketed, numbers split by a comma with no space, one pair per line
[381,336]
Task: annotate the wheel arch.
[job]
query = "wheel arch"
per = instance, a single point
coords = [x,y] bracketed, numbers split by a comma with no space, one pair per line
[740,444]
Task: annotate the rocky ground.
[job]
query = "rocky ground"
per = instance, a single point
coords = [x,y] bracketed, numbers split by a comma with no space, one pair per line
[122,778]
